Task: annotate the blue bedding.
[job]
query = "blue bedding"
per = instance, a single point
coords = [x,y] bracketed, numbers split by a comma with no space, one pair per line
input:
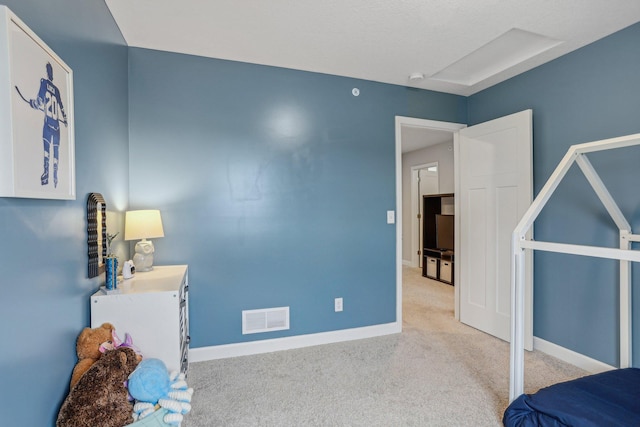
[608,399]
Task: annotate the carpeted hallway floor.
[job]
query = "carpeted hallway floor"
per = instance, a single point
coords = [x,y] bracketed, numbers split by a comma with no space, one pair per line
[438,372]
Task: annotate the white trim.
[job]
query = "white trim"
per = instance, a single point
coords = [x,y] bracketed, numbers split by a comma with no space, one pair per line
[398,147]
[429,124]
[425,166]
[580,360]
[415,209]
[202,354]
[456,212]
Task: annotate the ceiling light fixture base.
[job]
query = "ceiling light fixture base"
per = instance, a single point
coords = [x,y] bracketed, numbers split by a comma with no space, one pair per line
[416,77]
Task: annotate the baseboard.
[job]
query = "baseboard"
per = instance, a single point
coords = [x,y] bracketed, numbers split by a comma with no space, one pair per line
[580,360]
[201,354]
[408,263]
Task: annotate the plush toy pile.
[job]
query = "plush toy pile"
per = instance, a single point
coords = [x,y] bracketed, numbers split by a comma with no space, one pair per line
[153,387]
[110,375]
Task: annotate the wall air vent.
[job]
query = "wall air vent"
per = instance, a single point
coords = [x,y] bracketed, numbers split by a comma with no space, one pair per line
[265,320]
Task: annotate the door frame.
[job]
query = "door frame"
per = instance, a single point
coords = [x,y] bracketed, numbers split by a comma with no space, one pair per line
[415,210]
[401,121]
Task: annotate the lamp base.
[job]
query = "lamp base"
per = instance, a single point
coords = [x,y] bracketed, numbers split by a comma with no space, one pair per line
[143,259]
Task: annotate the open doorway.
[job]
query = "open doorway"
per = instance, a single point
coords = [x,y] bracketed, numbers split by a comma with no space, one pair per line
[412,136]
[427,150]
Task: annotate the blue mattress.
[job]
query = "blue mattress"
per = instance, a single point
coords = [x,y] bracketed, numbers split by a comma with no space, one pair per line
[608,399]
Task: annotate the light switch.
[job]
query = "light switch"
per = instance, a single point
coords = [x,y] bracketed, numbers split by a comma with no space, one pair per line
[391,217]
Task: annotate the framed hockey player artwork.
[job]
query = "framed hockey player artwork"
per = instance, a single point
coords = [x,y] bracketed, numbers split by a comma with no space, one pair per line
[36,116]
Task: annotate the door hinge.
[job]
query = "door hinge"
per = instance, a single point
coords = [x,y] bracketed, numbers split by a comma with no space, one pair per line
[418,252]
[419,216]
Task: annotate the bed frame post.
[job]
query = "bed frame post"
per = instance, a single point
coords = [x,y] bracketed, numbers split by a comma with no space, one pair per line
[625,303]
[516,382]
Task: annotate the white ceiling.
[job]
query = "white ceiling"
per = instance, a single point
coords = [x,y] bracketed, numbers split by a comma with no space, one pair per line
[460,46]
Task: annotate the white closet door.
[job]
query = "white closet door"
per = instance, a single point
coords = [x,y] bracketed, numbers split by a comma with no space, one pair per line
[495,189]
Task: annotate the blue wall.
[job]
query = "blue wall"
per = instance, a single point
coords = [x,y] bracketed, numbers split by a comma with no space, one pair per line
[273,186]
[43,247]
[590,94]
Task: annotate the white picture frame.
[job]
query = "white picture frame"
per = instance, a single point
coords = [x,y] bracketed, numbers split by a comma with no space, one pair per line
[37,142]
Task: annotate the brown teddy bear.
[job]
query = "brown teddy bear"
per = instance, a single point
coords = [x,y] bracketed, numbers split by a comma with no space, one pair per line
[100,398]
[88,348]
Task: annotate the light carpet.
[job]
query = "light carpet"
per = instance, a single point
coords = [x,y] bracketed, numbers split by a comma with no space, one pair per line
[437,372]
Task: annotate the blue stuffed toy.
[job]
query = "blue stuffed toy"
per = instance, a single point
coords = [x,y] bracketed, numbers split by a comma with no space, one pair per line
[153,387]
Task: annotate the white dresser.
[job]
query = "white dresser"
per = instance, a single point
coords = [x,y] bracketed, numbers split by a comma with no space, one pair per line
[153,307]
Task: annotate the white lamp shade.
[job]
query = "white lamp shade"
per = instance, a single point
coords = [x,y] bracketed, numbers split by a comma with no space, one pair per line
[143,224]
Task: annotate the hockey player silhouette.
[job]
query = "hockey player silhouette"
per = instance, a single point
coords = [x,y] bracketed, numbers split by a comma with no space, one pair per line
[49,102]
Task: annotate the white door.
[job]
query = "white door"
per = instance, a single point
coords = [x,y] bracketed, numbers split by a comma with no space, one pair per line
[494,189]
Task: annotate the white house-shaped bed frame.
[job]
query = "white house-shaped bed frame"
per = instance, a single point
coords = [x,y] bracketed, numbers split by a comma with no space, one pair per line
[520,244]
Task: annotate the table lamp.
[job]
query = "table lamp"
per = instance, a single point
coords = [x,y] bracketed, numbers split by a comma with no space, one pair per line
[143,224]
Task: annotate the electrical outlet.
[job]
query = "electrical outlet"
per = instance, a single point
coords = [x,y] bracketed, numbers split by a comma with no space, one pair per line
[338,304]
